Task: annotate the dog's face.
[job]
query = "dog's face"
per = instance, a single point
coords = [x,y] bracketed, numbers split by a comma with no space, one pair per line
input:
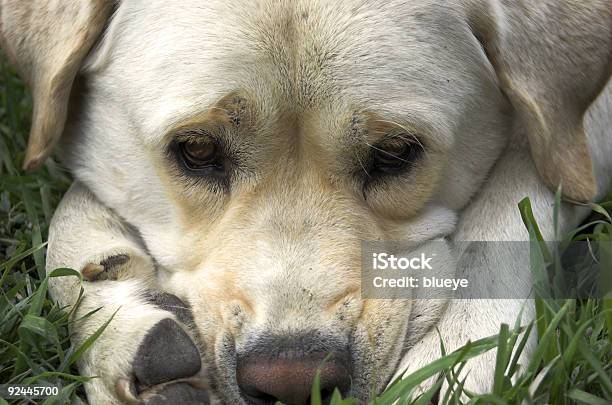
[255,145]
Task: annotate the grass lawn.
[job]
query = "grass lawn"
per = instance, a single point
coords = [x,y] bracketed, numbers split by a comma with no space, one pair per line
[573,363]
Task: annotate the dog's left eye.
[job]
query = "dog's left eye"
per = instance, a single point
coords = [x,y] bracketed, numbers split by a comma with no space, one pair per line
[200,154]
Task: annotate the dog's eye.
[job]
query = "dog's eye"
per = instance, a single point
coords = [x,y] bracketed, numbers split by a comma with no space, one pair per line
[394,156]
[198,155]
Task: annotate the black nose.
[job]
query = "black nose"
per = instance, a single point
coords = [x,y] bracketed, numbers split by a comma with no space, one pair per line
[286,374]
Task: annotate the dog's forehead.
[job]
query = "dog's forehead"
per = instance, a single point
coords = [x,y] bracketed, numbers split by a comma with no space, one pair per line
[175,59]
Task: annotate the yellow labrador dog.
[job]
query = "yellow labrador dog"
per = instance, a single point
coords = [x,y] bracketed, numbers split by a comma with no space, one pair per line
[231,156]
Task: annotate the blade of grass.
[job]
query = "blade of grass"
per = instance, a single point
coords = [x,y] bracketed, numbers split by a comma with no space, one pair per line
[598,367]
[586,398]
[426,398]
[501,359]
[410,382]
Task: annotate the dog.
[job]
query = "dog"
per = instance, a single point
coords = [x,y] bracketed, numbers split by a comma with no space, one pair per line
[230,157]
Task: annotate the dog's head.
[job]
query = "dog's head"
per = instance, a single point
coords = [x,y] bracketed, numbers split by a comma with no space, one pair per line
[256,144]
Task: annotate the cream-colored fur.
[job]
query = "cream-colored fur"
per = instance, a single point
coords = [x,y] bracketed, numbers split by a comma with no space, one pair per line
[301,88]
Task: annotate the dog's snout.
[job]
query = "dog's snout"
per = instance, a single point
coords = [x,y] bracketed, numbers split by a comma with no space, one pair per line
[287,374]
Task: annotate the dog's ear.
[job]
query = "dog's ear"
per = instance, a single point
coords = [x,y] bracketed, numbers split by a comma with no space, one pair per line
[552,58]
[47,41]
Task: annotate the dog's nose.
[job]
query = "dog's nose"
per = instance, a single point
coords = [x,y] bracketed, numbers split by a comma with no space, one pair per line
[288,376]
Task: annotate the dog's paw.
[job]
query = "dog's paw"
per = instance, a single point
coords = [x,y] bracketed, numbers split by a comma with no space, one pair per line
[109,268]
[148,355]
[166,369]
[177,393]
[117,266]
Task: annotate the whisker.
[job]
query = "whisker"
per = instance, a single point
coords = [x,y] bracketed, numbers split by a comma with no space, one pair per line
[221,109]
[387,153]
[361,164]
[413,138]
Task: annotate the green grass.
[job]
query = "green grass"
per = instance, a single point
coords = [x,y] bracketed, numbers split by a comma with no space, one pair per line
[572,365]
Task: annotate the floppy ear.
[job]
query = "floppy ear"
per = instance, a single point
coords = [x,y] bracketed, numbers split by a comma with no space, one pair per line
[47,41]
[552,58]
